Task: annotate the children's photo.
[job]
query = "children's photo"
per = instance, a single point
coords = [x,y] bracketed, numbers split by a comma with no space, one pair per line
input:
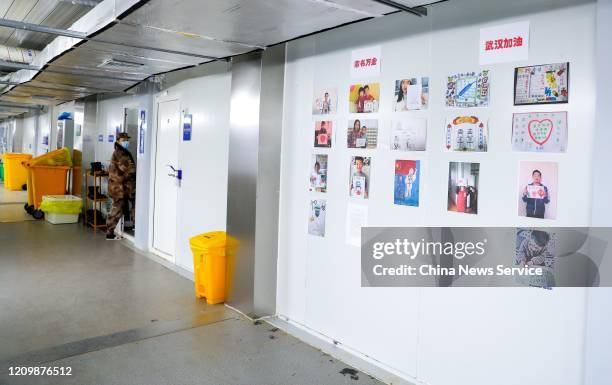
[463,187]
[362,133]
[318,173]
[466,134]
[323,133]
[536,248]
[537,194]
[409,134]
[364,98]
[316,218]
[325,101]
[407,179]
[411,94]
[359,182]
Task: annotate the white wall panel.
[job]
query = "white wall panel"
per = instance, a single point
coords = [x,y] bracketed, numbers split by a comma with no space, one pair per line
[439,336]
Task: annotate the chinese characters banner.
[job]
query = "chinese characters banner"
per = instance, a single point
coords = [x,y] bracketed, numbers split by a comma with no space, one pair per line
[365,62]
[504,43]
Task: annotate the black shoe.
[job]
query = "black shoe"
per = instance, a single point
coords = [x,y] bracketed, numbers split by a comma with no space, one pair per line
[112,237]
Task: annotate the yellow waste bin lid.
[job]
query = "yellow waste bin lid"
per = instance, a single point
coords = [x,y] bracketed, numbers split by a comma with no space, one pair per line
[212,240]
[15,155]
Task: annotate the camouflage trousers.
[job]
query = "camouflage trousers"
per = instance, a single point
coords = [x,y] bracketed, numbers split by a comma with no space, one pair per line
[115,214]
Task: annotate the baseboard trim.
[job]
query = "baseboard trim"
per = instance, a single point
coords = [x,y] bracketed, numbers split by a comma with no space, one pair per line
[341,352]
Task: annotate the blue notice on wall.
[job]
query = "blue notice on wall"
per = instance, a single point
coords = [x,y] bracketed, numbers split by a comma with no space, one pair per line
[111,138]
[187,120]
[142,128]
[46,140]
[100,138]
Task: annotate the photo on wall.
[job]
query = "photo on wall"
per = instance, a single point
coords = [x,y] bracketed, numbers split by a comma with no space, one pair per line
[323,133]
[409,134]
[537,195]
[463,190]
[325,101]
[536,248]
[362,133]
[469,89]
[364,98]
[359,182]
[407,180]
[411,94]
[539,131]
[316,217]
[318,173]
[466,134]
[541,84]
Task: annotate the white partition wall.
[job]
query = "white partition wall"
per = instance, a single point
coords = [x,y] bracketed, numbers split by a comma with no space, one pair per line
[439,336]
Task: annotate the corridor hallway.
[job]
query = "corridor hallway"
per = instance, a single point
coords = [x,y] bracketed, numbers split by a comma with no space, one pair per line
[69,298]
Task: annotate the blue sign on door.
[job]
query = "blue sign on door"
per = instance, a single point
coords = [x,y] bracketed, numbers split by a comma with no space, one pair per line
[187,120]
[100,138]
[142,124]
[111,138]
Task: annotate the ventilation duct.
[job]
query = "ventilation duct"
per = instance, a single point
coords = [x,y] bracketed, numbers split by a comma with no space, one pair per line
[17,55]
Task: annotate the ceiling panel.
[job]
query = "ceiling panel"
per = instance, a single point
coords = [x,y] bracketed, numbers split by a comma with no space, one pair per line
[258,23]
[84,80]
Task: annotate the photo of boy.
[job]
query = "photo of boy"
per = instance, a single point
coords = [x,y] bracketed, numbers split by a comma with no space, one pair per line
[359,182]
[324,101]
[318,173]
[536,196]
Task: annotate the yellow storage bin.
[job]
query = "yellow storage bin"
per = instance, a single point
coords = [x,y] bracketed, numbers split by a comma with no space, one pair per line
[211,252]
[15,173]
[47,180]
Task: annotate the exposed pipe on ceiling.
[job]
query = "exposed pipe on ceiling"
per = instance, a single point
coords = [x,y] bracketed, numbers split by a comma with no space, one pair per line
[83,36]
[418,11]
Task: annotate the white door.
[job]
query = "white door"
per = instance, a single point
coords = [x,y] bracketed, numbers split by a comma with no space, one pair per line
[166,188]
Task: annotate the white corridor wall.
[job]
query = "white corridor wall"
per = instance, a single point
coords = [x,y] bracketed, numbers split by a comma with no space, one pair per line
[440,336]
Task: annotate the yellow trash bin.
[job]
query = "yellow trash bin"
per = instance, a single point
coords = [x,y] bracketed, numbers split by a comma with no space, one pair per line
[15,173]
[210,253]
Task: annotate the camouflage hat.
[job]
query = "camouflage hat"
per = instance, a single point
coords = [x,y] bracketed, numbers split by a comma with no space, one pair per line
[123,135]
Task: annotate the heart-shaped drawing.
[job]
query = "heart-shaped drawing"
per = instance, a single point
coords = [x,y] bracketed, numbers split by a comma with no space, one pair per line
[540,130]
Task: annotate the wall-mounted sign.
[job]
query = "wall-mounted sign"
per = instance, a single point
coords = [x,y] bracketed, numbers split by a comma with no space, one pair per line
[142,128]
[187,127]
[365,62]
[100,138]
[111,138]
[45,140]
[504,43]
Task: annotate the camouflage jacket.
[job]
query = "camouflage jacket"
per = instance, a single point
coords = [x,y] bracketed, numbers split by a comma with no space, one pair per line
[122,174]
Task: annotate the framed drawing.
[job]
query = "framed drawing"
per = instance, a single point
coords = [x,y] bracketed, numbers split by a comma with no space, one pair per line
[541,84]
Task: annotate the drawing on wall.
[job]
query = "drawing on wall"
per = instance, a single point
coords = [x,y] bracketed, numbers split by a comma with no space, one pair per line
[541,84]
[364,98]
[539,131]
[463,187]
[323,133]
[318,173]
[469,89]
[316,218]
[359,183]
[409,134]
[537,193]
[356,218]
[362,133]
[407,180]
[411,94]
[536,248]
[466,133]
[324,101]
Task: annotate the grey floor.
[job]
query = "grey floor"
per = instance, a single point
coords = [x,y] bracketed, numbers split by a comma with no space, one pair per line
[70,298]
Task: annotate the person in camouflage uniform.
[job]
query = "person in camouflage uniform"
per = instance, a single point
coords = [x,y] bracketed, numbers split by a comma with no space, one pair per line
[121,183]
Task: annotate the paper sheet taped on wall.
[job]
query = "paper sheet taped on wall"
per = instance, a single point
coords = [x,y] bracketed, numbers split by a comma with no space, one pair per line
[356,218]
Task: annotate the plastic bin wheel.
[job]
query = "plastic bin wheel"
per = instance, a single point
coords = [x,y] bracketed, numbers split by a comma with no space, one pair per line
[37,214]
[29,209]
[24,187]
[26,207]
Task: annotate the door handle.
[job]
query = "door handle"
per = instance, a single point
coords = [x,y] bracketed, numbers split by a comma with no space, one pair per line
[176,173]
